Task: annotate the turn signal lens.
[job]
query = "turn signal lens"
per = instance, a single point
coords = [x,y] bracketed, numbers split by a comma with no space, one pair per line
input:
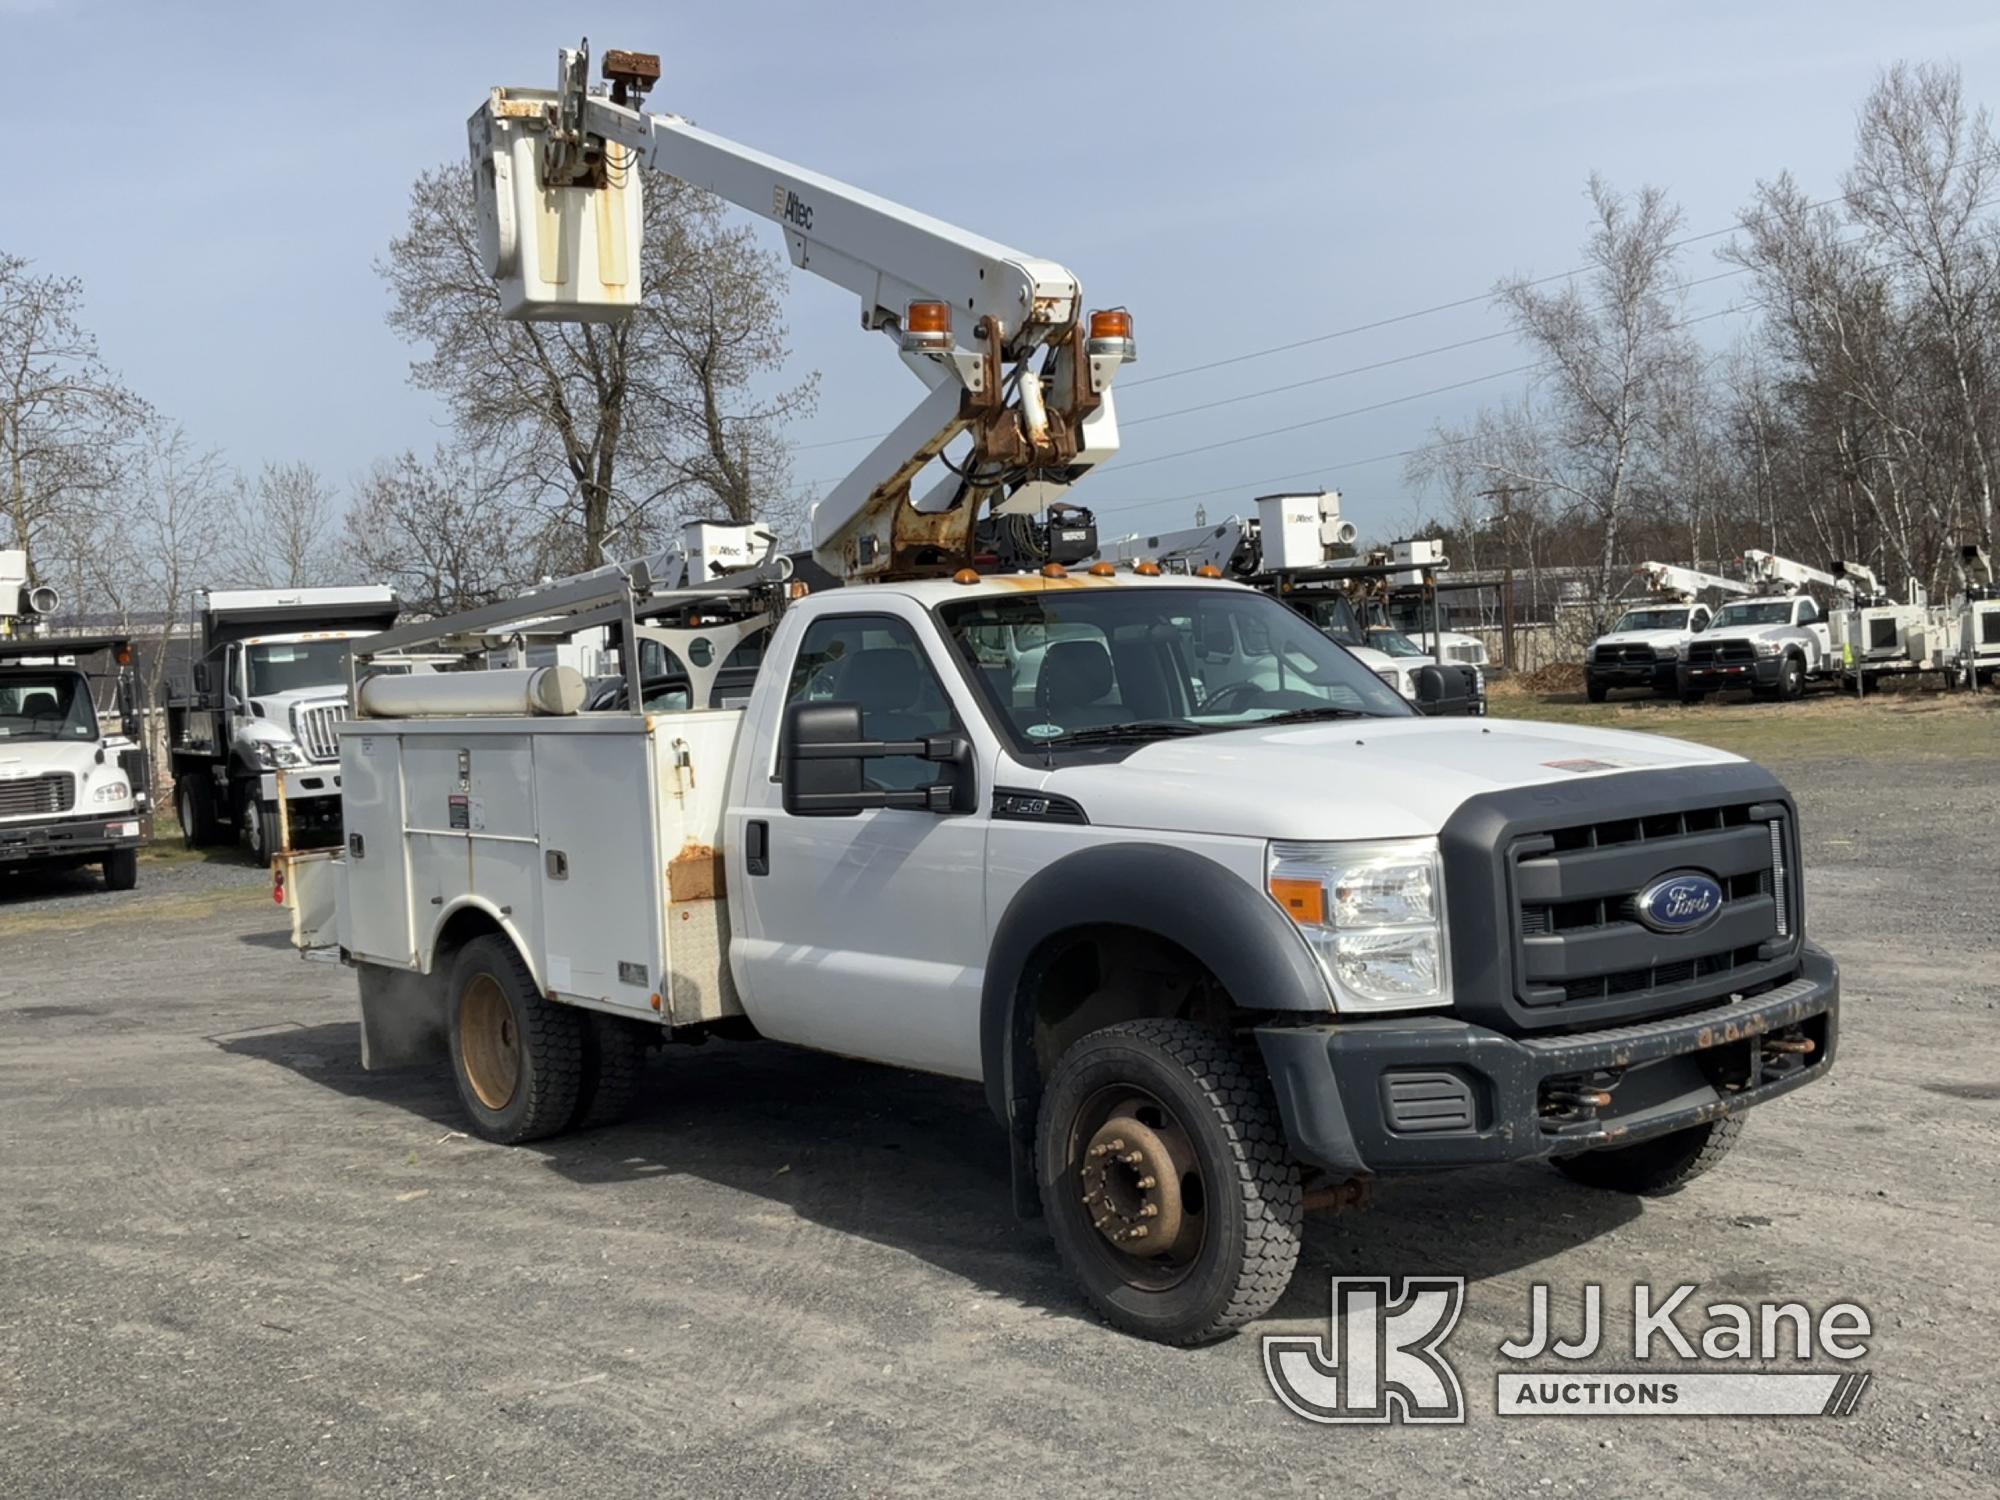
[1304,901]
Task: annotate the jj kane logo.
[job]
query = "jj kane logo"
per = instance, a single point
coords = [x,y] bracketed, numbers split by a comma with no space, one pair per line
[1380,1362]
[1383,1358]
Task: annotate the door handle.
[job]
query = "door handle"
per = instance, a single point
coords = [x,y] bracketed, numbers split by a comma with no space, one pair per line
[757,847]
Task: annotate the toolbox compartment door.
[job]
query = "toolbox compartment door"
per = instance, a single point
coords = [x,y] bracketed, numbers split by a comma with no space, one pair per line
[308,883]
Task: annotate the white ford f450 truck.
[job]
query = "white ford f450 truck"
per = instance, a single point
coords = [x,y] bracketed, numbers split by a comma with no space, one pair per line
[1205,944]
[1213,930]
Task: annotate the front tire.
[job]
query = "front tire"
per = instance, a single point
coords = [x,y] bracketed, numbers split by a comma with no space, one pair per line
[256,825]
[121,869]
[1792,679]
[516,1057]
[1165,1176]
[1595,691]
[1655,1168]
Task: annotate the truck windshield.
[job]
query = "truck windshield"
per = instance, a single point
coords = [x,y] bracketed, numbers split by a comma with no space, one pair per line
[1332,613]
[1771,612]
[46,706]
[1088,665]
[1652,619]
[1395,643]
[291,666]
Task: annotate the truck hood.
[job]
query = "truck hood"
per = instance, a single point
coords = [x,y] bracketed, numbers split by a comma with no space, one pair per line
[1654,638]
[24,759]
[1753,632]
[1351,778]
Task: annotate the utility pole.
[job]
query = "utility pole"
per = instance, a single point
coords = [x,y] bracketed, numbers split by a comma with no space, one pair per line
[1505,494]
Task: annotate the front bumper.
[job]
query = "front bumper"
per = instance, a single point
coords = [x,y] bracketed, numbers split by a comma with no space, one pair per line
[71,837]
[1418,1092]
[1710,676]
[1630,675]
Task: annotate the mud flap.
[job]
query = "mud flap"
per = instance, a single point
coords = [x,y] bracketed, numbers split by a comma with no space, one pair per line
[403,1018]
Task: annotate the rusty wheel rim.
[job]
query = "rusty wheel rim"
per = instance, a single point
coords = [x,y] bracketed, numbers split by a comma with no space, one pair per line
[489,1044]
[1138,1182]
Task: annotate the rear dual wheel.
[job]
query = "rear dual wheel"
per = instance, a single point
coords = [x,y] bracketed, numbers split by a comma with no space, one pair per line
[527,1067]
[1164,1172]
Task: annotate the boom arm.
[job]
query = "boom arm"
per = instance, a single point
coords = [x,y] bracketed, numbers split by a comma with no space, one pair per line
[1769,568]
[971,315]
[1685,583]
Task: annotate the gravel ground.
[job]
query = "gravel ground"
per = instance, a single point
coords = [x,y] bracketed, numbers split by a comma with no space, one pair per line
[233,1263]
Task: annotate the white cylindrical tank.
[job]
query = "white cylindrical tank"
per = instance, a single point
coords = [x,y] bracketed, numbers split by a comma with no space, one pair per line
[431,695]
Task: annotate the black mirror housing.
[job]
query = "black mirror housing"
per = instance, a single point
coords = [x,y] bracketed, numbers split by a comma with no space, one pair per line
[201,677]
[822,774]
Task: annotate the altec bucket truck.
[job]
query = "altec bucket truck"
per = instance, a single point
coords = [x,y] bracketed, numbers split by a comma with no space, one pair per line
[1213,929]
[1644,648]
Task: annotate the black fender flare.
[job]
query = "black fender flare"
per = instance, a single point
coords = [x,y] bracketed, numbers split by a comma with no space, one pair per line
[1232,927]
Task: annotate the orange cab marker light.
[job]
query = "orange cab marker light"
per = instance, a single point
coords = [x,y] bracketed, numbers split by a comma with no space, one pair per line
[966,575]
[1304,901]
[1103,570]
[656,1002]
[1147,569]
[1054,570]
[1208,570]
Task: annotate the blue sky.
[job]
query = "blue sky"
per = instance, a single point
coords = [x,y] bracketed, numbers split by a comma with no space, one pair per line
[1240,176]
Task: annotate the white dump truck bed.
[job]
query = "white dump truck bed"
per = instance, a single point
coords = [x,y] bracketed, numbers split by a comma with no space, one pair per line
[591,839]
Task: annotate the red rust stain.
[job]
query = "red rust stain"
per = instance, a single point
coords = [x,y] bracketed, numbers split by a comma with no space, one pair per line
[695,874]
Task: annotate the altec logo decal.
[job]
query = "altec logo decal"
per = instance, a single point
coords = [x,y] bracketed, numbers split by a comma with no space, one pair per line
[791,208]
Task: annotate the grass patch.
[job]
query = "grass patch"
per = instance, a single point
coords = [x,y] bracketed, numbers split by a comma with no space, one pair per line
[1932,726]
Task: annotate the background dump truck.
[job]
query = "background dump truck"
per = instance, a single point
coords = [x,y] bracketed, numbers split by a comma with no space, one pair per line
[251,739]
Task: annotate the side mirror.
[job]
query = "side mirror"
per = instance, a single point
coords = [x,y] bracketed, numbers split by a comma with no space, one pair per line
[201,677]
[1443,690]
[824,751]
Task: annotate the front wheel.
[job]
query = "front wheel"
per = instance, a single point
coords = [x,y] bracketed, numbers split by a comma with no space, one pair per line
[1792,679]
[1655,1168]
[1166,1179]
[256,824]
[1690,697]
[121,869]
[1595,691]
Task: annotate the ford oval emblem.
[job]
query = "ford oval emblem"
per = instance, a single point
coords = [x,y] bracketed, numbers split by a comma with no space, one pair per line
[1680,902]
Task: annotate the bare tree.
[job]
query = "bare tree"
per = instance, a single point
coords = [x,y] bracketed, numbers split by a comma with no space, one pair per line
[161,540]
[615,430]
[284,528]
[65,418]
[441,531]
[1925,167]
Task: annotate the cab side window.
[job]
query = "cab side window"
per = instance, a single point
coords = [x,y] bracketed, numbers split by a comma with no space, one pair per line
[875,663]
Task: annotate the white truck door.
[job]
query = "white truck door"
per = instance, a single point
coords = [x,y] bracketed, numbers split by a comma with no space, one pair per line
[866,934]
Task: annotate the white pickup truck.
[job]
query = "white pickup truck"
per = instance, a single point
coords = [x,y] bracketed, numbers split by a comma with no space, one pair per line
[1209,945]
[1769,645]
[1643,649]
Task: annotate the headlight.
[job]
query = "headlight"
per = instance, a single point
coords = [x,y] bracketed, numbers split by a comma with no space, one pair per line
[111,791]
[1374,916]
[276,753]
[1768,648]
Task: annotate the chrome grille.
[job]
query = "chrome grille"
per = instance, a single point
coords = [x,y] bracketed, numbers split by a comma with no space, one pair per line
[313,727]
[37,796]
